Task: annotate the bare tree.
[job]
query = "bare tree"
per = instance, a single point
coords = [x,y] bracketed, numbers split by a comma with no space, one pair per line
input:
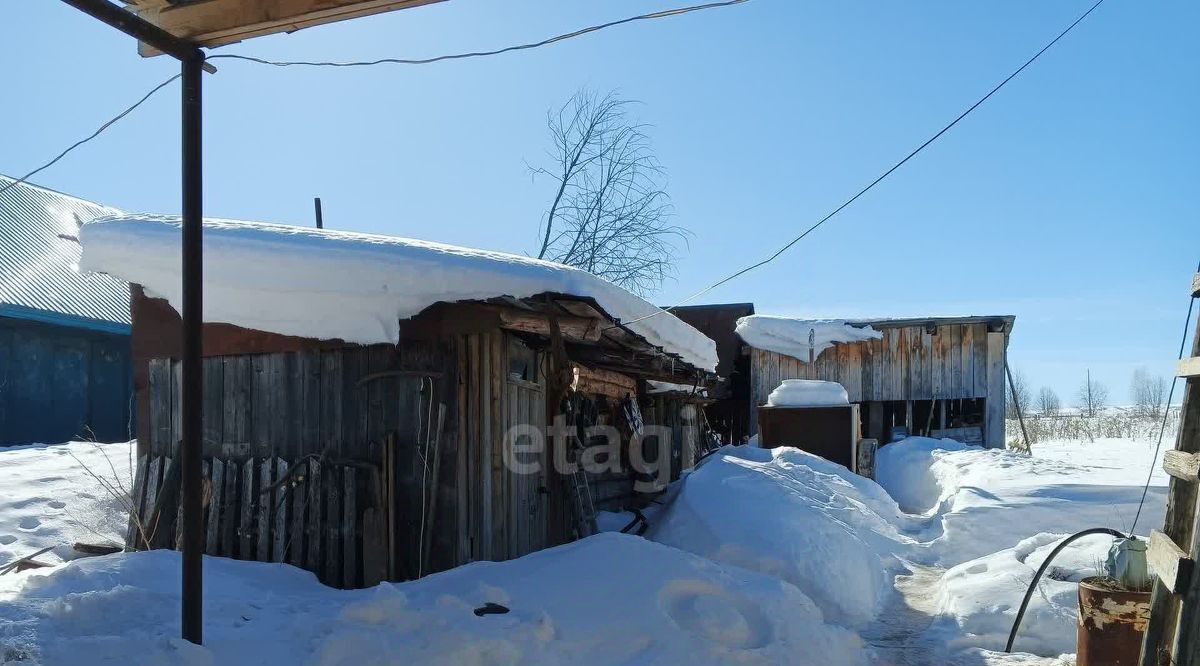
[1149,393]
[1048,402]
[1018,396]
[1092,395]
[610,214]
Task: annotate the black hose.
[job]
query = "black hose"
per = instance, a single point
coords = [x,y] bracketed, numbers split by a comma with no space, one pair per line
[1012,635]
[639,521]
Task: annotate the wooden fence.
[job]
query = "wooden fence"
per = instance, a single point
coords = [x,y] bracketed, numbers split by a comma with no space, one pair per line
[328,518]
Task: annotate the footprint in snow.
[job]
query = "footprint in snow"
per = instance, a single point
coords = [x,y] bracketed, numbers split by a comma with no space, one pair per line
[29,523]
[716,614]
[6,539]
[56,504]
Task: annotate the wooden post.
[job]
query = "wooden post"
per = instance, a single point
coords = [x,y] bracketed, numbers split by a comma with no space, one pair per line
[1017,407]
[812,357]
[908,417]
[1173,633]
[875,421]
[993,428]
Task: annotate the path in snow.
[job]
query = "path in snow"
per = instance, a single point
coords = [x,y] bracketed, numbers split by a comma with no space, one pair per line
[899,635]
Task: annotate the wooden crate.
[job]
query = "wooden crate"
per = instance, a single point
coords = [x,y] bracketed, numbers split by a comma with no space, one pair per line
[829,432]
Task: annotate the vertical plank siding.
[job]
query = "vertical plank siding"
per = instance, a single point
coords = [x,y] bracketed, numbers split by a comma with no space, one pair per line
[308,428]
[907,363]
[364,463]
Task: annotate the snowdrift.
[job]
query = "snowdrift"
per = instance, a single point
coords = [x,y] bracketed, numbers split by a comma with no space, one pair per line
[793,515]
[977,600]
[981,499]
[608,599]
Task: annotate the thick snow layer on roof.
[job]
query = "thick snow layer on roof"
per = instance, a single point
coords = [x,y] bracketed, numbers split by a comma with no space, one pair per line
[808,393]
[353,286]
[785,335]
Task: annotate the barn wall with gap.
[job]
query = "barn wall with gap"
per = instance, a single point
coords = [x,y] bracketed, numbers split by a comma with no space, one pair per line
[922,365]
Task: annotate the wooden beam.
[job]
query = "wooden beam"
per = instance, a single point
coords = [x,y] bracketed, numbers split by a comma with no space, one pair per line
[572,328]
[1168,561]
[1182,465]
[1189,368]
[1196,286]
[217,22]
[604,382]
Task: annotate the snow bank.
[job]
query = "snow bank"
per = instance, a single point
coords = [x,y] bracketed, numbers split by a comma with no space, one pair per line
[789,336]
[322,283]
[908,470]
[981,499]
[793,515]
[578,604]
[55,495]
[977,600]
[808,393]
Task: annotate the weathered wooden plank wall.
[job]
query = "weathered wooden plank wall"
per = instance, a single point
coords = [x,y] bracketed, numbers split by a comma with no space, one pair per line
[359,425]
[907,363]
[256,510]
[339,405]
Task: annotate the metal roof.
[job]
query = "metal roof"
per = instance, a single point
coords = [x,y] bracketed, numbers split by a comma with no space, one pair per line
[39,276]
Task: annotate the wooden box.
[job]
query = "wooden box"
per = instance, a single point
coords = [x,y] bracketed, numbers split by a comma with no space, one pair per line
[829,432]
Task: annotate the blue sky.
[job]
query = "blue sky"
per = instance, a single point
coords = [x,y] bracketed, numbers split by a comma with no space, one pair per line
[1067,200]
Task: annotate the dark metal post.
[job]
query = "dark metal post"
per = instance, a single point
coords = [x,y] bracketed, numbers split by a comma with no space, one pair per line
[192,379]
[317,207]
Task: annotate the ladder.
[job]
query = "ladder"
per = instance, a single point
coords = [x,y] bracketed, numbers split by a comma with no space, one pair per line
[581,494]
[1173,632]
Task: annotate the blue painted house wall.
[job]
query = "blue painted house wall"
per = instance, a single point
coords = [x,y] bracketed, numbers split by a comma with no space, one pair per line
[65,369]
[59,383]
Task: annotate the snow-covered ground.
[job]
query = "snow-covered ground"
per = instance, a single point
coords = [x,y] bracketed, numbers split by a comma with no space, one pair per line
[993,516]
[763,556]
[58,495]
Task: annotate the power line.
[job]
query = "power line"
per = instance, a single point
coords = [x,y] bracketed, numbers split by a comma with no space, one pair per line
[666,13]
[885,174]
[1166,412]
[93,135]
[386,61]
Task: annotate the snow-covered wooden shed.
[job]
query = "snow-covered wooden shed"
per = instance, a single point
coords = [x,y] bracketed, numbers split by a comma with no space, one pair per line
[378,408]
[942,376]
[64,335]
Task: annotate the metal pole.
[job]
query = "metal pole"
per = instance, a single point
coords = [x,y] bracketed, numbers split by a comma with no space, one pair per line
[317,209]
[140,29]
[192,380]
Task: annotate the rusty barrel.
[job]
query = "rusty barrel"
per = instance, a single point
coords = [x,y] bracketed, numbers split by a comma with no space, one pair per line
[1111,623]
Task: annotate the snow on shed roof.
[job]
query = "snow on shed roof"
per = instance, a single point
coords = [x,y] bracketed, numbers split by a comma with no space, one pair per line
[785,335]
[322,283]
[39,278]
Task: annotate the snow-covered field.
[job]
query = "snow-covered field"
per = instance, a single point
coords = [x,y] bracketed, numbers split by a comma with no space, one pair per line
[762,557]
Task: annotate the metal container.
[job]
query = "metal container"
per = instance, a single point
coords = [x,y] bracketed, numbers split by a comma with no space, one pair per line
[1111,623]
